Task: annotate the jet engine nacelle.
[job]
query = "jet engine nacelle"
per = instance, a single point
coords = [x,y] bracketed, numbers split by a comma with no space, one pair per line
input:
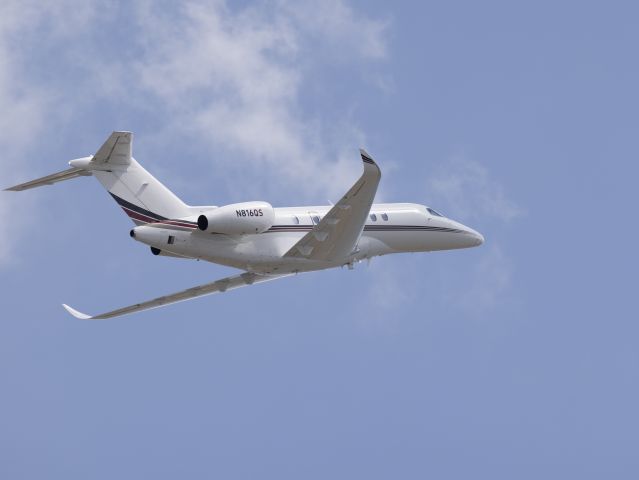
[238,218]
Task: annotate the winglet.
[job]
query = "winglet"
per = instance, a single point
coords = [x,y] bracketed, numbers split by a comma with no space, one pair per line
[366,158]
[76,314]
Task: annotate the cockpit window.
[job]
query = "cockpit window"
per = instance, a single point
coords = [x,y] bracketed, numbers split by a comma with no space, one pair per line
[434,212]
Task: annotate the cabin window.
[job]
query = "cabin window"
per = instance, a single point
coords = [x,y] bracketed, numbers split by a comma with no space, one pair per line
[316,219]
[434,212]
[296,220]
[171,240]
[384,217]
[373,217]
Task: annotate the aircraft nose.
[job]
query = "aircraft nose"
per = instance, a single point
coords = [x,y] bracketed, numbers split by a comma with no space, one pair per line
[462,236]
[477,237]
[472,238]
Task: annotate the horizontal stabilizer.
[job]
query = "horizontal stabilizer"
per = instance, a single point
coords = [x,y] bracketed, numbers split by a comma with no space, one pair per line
[67,174]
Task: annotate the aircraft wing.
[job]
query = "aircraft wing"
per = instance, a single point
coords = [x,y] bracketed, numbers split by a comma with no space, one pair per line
[336,235]
[219,286]
[67,174]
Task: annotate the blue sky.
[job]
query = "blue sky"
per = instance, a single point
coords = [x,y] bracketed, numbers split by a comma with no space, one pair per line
[517,359]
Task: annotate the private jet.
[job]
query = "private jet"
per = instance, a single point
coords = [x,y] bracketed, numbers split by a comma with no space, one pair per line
[265,242]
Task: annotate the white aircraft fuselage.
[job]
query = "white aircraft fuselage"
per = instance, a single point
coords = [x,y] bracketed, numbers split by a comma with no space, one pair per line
[263,241]
[389,228]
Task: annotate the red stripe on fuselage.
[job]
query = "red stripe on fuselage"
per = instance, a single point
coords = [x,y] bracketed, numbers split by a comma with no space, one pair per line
[146,219]
[139,216]
[177,224]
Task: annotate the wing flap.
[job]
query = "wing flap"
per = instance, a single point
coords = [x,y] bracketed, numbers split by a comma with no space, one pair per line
[336,235]
[218,286]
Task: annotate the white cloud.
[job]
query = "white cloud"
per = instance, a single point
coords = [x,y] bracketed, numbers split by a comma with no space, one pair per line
[25,103]
[386,292]
[466,190]
[490,280]
[227,78]
[235,79]
[388,289]
[22,110]
[341,30]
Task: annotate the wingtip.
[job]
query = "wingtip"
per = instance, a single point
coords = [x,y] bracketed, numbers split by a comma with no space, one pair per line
[366,158]
[75,313]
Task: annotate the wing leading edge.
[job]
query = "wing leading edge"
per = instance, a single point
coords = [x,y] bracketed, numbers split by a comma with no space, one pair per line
[337,234]
[219,286]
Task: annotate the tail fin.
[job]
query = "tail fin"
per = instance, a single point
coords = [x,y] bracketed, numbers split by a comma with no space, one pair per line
[140,194]
[143,198]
